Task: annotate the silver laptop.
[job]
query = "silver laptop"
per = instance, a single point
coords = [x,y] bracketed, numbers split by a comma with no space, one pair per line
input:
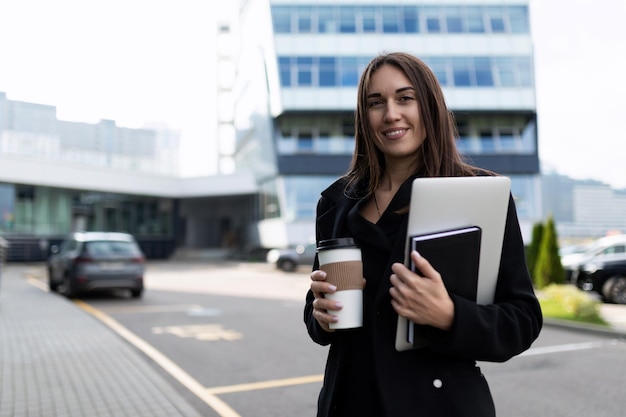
[445,203]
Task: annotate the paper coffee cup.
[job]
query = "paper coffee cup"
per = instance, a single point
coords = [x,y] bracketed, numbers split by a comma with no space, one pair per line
[341,260]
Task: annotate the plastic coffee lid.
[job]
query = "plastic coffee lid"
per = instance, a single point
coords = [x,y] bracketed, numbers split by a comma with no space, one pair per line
[339,243]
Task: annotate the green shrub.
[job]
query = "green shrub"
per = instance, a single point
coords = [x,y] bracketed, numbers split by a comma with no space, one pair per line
[548,269]
[570,303]
[533,249]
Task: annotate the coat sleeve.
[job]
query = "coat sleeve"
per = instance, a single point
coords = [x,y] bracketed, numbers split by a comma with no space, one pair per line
[316,332]
[498,331]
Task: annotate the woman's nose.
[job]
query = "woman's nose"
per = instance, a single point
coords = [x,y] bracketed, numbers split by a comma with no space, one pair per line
[391,112]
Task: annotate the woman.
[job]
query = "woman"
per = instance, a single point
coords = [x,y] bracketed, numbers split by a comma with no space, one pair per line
[403,131]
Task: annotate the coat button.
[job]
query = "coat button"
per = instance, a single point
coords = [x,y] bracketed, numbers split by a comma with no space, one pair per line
[437,383]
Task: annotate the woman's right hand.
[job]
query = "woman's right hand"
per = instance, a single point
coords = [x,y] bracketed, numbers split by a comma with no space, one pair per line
[321,305]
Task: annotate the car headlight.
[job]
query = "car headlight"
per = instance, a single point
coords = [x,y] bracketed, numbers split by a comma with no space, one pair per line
[272,256]
[592,267]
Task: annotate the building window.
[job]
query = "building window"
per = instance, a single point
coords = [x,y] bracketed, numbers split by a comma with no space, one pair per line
[368,19]
[478,72]
[281,19]
[327,70]
[304,71]
[347,23]
[399,19]
[391,22]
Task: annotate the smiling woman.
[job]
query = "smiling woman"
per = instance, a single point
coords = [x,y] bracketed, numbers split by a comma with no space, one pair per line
[404,131]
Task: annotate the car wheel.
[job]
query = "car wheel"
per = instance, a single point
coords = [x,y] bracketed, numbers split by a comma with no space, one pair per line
[68,287]
[53,286]
[614,290]
[287,265]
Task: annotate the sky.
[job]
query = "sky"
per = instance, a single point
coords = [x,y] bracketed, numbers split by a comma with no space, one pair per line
[147,62]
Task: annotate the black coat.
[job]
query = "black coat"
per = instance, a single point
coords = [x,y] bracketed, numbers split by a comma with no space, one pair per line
[441,379]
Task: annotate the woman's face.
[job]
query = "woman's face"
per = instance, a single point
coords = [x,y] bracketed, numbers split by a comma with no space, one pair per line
[393,114]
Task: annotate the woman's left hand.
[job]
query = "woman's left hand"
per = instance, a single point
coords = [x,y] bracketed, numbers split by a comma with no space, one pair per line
[421,299]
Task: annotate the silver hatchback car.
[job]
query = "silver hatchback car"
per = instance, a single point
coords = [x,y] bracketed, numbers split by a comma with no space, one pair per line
[88,261]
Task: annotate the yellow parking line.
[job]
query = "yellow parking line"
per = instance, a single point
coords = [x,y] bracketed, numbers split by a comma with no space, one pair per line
[266,384]
[219,406]
[151,309]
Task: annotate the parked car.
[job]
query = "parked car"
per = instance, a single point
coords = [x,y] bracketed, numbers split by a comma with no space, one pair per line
[290,258]
[601,249]
[607,277]
[88,261]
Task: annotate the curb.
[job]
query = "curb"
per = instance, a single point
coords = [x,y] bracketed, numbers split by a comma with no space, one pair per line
[585,327]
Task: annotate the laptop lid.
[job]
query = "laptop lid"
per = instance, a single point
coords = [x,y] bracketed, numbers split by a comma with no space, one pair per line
[445,203]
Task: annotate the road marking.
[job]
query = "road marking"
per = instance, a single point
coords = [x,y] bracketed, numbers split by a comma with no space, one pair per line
[219,406]
[569,347]
[38,283]
[151,309]
[266,384]
[206,332]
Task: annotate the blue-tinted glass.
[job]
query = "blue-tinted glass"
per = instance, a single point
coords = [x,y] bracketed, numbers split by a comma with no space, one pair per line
[525,72]
[368,15]
[305,142]
[305,72]
[304,19]
[518,17]
[347,19]
[304,60]
[455,24]
[281,19]
[484,76]
[461,72]
[475,22]
[411,19]
[391,24]
[433,25]
[487,144]
[497,24]
[439,66]
[349,72]
[327,72]
[284,68]
[326,20]
[305,78]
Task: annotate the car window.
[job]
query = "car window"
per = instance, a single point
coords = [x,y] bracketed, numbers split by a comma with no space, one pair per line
[614,249]
[69,245]
[111,248]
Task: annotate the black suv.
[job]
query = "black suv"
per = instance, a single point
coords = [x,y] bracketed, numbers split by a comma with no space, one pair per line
[88,261]
[607,277]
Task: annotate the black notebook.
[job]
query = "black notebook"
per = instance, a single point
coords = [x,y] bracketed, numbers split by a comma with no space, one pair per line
[455,254]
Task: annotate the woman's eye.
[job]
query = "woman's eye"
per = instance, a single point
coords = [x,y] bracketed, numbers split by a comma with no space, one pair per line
[407,98]
[375,103]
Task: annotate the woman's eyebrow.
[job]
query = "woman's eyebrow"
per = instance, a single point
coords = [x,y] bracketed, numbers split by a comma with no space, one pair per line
[399,90]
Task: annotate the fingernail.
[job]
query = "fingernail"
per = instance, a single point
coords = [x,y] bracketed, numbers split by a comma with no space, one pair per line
[338,305]
[332,288]
[417,253]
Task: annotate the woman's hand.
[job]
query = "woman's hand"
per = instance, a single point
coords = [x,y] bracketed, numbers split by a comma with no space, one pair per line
[321,305]
[421,299]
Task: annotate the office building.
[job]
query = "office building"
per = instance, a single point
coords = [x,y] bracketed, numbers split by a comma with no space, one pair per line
[306,67]
[288,72]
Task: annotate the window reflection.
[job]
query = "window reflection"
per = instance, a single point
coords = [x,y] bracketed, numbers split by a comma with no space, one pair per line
[399,19]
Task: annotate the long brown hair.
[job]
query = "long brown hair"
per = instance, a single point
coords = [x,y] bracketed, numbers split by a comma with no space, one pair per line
[439,155]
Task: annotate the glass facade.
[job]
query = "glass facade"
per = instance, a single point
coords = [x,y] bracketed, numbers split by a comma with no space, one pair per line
[302,194]
[400,19]
[458,72]
[46,211]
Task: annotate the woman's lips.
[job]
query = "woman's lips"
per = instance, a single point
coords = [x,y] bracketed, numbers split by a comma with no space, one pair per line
[395,133]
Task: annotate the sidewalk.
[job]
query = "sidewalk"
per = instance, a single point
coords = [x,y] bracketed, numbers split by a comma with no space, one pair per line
[56,360]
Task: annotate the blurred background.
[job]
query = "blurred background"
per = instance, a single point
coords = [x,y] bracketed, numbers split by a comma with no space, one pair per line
[210,133]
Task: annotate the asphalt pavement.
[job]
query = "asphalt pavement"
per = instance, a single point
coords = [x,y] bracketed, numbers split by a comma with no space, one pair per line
[58,360]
